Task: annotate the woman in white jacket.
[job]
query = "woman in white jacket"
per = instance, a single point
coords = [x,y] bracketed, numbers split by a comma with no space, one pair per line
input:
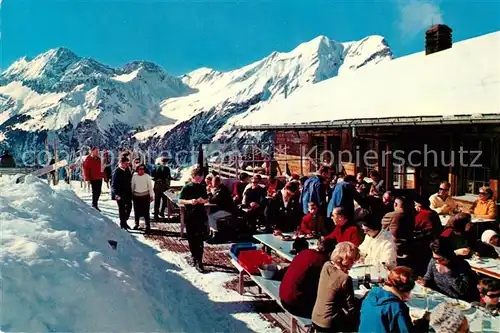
[142,190]
[378,247]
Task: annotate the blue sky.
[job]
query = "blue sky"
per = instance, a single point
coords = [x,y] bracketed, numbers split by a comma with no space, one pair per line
[185,35]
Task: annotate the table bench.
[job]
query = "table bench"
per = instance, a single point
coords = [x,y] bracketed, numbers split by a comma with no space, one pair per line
[270,288]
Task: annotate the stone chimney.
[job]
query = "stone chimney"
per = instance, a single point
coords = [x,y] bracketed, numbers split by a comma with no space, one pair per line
[438,38]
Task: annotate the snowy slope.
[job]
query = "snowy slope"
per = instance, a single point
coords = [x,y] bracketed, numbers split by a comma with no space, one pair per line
[275,76]
[60,274]
[225,97]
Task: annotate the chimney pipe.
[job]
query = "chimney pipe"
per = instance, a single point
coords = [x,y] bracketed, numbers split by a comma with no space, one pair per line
[438,38]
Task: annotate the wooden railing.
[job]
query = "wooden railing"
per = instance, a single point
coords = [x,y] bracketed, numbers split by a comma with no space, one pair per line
[228,171]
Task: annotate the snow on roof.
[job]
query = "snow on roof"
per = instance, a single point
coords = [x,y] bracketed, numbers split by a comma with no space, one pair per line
[463,80]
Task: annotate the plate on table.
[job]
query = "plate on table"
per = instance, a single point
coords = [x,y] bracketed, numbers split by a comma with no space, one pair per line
[309,236]
[286,238]
[421,292]
[416,313]
[461,305]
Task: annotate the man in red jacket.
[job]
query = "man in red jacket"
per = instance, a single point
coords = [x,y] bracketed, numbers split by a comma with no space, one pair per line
[345,228]
[93,174]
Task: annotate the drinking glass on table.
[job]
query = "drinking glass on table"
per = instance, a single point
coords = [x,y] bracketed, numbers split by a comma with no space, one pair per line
[368,276]
[428,298]
[485,322]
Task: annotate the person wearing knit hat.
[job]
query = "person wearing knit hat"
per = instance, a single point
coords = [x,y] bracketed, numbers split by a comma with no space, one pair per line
[447,319]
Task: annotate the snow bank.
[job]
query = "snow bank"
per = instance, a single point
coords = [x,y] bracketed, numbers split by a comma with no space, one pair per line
[60,274]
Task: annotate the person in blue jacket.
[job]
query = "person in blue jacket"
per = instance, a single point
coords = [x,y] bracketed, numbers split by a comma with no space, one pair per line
[384,308]
[314,190]
[343,195]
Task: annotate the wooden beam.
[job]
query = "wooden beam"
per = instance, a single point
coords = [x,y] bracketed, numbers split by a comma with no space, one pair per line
[388,168]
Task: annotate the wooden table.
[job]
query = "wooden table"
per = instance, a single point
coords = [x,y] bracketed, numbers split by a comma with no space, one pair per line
[488,266]
[282,248]
[445,218]
[271,288]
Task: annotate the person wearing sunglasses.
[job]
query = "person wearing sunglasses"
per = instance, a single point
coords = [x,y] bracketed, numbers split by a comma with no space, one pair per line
[442,202]
[450,274]
[484,207]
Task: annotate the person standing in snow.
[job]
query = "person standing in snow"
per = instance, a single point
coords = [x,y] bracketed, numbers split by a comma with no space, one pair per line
[121,190]
[107,168]
[7,160]
[92,171]
[161,177]
[194,196]
[142,190]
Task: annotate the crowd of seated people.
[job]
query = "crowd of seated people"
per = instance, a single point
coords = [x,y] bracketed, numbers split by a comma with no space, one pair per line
[317,285]
[327,205]
[359,222]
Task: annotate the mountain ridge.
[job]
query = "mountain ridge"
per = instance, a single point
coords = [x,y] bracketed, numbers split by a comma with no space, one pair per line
[139,103]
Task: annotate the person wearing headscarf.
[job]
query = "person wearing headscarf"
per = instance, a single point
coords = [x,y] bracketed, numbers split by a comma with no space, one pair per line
[489,245]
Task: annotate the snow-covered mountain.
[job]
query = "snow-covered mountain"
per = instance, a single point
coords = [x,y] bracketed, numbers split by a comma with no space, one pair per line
[225,97]
[82,101]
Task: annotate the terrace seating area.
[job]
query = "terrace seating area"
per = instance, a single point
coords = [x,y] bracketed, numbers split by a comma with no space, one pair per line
[272,212]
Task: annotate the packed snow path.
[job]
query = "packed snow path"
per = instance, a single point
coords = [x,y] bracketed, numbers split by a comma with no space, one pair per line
[59,273]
